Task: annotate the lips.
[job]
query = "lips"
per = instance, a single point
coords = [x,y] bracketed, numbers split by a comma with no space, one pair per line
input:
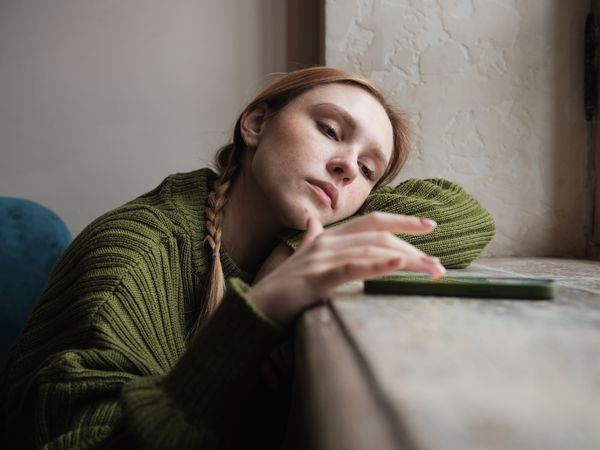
[323,187]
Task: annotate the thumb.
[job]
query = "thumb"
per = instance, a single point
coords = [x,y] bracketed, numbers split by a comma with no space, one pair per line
[313,229]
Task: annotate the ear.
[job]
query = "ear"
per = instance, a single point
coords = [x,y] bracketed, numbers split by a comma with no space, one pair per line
[253,123]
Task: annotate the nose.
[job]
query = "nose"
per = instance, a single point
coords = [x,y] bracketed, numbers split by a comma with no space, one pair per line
[342,169]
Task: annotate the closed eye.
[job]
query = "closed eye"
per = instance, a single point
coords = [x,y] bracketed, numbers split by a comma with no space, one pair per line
[329,131]
[367,172]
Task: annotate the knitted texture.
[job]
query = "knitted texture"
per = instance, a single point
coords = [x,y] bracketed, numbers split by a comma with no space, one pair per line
[104,362]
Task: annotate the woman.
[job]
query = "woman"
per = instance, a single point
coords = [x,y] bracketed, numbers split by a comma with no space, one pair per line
[137,343]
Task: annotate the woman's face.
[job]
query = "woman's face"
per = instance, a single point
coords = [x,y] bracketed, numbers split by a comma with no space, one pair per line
[321,154]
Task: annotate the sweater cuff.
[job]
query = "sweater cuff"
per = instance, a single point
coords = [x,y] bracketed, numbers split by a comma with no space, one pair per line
[291,238]
[218,372]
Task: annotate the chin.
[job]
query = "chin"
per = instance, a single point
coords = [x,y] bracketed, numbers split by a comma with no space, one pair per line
[296,217]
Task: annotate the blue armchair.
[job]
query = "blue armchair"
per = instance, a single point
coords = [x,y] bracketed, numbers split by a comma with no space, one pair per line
[31,239]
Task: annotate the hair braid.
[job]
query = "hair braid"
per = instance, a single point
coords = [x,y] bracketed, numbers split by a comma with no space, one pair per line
[217,199]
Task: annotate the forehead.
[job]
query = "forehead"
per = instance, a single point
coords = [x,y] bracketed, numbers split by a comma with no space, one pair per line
[370,116]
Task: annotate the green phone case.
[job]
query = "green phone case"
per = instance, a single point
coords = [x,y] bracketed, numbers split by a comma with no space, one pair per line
[482,287]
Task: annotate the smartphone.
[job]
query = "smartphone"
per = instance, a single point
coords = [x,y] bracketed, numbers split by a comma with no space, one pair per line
[463,286]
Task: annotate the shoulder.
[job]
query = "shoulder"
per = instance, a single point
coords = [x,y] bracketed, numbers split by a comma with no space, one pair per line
[121,240]
[179,201]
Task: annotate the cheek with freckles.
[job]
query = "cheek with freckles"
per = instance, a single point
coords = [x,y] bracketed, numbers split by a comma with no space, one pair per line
[351,202]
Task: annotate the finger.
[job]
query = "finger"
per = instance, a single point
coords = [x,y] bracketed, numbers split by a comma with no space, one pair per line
[362,270]
[359,271]
[275,259]
[372,254]
[381,221]
[313,229]
[377,245]
[382,239]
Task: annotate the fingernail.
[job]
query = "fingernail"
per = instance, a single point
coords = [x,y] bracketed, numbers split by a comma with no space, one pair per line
[438,275]
[441,271]
[428,222]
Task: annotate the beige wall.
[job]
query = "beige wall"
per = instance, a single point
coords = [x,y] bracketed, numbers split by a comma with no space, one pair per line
[100,100]
[494,89]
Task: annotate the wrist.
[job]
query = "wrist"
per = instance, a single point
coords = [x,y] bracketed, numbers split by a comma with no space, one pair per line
[267,304]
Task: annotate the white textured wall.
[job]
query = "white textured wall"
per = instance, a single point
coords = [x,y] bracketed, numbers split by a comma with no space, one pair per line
[494,89]
[100,100]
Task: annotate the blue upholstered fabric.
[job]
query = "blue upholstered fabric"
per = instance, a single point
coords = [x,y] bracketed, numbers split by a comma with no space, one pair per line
[31,239]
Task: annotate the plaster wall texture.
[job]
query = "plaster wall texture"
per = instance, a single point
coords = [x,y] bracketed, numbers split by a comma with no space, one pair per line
[493,89]
[100,100]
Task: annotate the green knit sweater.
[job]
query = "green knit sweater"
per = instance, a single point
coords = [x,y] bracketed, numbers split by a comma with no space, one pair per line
[103,361]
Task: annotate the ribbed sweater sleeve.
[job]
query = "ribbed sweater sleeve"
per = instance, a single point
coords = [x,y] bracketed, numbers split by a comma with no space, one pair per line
[103,362]
[464,226]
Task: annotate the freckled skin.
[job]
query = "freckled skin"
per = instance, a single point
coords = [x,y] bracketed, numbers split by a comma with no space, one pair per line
[293,146]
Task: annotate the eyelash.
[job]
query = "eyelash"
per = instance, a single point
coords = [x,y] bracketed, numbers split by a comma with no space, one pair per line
[331,133]
[367,173]
[327,130]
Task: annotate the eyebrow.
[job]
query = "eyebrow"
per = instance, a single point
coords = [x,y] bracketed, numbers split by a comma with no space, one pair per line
[349,119]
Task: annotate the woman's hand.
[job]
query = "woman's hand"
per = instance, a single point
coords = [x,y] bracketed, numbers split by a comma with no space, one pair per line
[362,248]
[275,259]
